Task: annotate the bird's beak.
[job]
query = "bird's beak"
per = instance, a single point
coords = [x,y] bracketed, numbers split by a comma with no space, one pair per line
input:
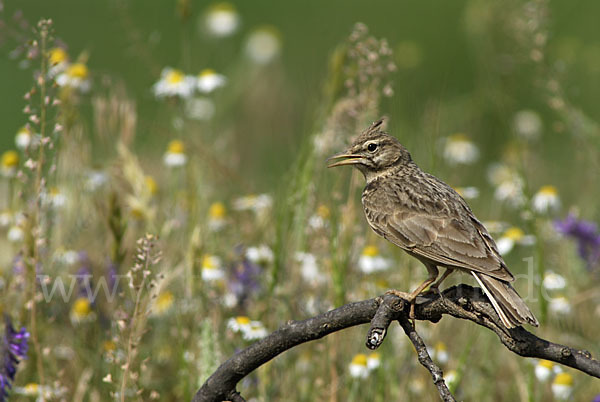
[344,158]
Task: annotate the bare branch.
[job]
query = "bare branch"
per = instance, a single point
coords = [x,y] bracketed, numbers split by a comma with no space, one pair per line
[461,301]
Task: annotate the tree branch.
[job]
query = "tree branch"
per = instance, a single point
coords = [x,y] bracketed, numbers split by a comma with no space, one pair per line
[461,301]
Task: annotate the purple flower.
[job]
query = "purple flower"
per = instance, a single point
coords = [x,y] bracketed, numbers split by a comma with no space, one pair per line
[13,350]
[596,398]
[587,237]
[244,278]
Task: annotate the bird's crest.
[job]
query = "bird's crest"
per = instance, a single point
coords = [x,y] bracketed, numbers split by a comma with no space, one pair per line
[373,128]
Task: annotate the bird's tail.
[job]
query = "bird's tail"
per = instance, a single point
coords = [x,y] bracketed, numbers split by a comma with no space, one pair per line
[506,301]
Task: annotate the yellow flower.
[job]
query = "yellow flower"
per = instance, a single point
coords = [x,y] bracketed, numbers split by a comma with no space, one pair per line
[176,147]
[514,233]
[9,163]
[78,70]
[216,216]
[151,185]
[323,211]
[163,302]
[370,251]
[10,159]
[109,346]
[175,76]
[57,55]
[217,210]
[81,310]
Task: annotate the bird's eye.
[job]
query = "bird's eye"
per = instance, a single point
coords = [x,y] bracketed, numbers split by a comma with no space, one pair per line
[372,147]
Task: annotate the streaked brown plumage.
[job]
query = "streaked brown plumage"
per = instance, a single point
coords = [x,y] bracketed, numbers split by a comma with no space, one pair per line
[430,221]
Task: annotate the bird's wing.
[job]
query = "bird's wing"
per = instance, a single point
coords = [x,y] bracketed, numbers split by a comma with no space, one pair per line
[440,236]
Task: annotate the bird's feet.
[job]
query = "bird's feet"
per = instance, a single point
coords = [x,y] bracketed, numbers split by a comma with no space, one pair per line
[409,297]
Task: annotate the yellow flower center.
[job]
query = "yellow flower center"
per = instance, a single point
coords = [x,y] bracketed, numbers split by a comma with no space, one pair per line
[31,388]
[242,320]
[57,55]
[24,131]
[370,251]
[459,137]
[440,346]
[208,262]
[109,346]
[207,72]
[548,190]
[175,77]
[151,185]
[546,363]
[514,233]
[82,307]
[360,359]
[217,210]
[222,7]
[78,70]
[563,379]
[323,211]
[374,356]
[10,159]
[164,301]
[176,147]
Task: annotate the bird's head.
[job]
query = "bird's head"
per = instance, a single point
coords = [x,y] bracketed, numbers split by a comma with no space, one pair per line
[374,152]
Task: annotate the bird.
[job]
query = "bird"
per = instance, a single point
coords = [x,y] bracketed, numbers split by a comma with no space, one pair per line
[430,221]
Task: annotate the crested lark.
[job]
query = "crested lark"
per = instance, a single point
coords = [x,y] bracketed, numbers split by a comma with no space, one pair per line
[430,221]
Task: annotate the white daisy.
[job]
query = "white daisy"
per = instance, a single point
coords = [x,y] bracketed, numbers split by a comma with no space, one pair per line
[211,268]
[553,281]
[76,76]
[527,124]
[263,45]
[543,370]
[257,203]
[560,305]
[256,330]
[260,255]
[200,108]
[511,237]
[358,367]
[174,82]
[175,155]
[468,193]
[373,361]
[309,269]
[221,20]
[458,149]
[562,386]
[208,80]
[546,199]
[370,261]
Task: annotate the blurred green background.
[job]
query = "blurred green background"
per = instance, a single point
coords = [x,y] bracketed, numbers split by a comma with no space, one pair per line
[439,45]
